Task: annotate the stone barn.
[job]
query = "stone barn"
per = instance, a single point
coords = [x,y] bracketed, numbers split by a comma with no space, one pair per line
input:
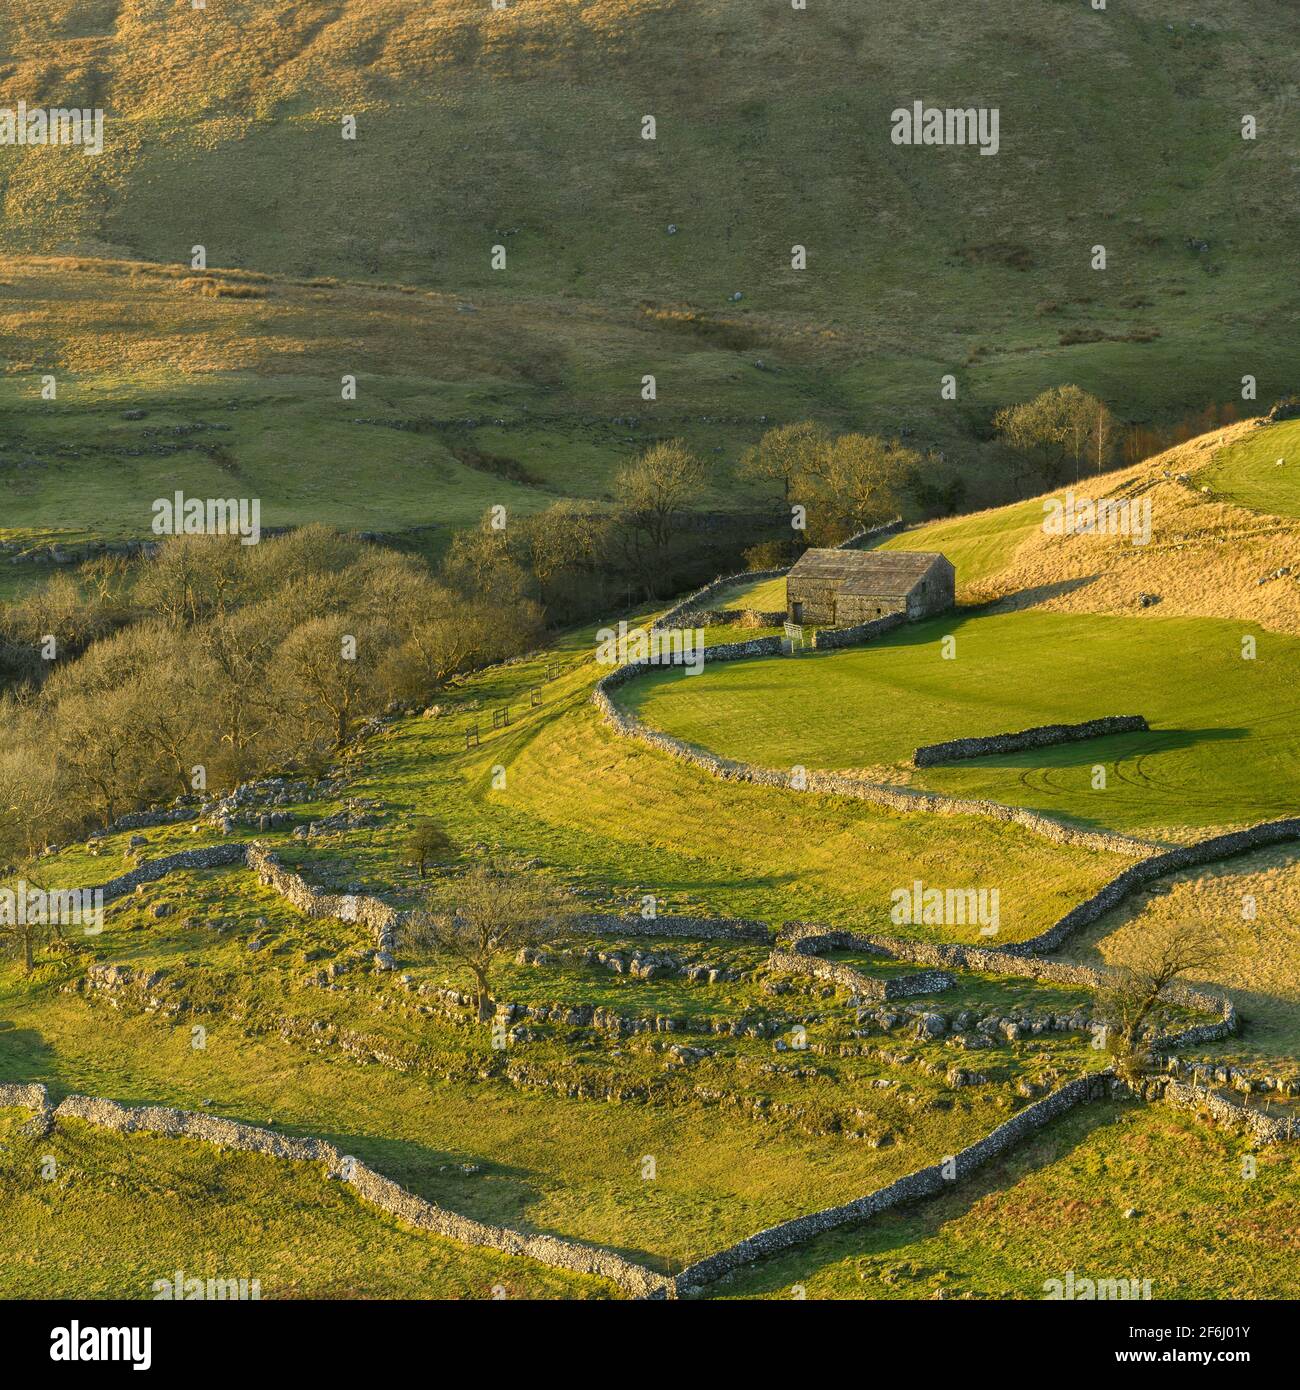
[841,588]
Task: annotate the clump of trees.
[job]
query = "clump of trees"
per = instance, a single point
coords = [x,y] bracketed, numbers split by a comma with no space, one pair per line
[483,917]
[1061,429]
[844,483]
[215,661]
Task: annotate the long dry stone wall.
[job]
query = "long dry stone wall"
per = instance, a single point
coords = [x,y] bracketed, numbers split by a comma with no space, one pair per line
[1042,736]
[692,928]
[925,1182]
[369,1185]
[212,857]
[557,1253]
[1156,866]
[903,799]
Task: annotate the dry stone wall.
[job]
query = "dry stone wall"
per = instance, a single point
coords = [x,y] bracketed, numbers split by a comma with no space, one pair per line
[212,857]
[810,939]
[1043,736]
[1266,1129]
[1156,866]
[925,1182]
[903,799]
[799,962]
[693,928]
[369,1185]
[18,1096]
[832,638]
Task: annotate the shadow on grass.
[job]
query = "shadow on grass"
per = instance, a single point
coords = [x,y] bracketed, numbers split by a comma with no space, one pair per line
[497,1193]
[901,1227]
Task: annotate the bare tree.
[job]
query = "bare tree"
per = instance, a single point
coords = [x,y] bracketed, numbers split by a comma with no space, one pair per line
[787,455]
[1136,1000]
[488,913]
[663,481]
[858,482]
[1060,424]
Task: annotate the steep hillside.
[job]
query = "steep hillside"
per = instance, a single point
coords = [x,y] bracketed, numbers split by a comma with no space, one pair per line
[1205,557]
[522,128]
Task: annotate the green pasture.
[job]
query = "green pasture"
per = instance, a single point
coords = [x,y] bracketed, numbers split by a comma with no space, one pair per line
[1221,749]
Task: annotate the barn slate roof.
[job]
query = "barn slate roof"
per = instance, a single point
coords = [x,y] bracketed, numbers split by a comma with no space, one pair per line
[893,573]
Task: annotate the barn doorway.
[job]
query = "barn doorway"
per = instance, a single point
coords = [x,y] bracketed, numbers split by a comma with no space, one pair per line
[796,612]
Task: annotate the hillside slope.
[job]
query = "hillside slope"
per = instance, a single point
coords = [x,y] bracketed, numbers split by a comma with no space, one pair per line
[1206,557]
[522,128]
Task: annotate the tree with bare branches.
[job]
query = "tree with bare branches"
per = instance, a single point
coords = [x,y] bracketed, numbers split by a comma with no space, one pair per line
[490,912]
[1136,1001]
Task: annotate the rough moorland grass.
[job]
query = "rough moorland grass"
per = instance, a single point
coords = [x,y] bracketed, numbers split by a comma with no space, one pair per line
[1262,471]
[980,259]
[1261,969]
[116,1213]
[1058,1203]
[1220,750]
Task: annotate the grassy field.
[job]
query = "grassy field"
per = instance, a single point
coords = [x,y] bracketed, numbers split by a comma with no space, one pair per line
[1220,750]
[334,256]
[1059,1203]
[119,1213]
[1262,472]
[229,956]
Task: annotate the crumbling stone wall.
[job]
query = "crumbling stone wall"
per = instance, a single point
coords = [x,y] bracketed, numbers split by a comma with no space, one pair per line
[811,939]
[1266,1129]
[312,901]
[798,962]
[211,857]
[694,928]
[1042,736]
[17,1096]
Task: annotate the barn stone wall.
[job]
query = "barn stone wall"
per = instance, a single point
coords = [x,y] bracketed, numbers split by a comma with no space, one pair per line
[831,639]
